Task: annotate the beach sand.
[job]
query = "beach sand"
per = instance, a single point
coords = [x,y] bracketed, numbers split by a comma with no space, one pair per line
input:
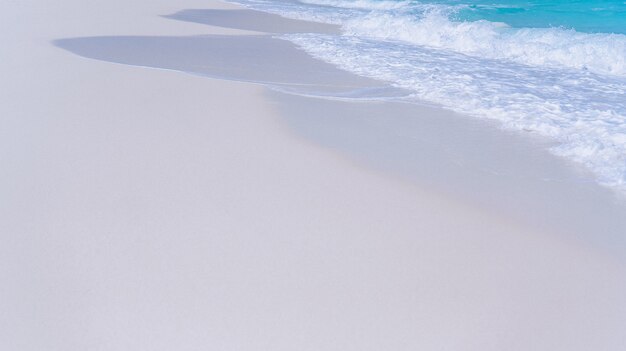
[149,209]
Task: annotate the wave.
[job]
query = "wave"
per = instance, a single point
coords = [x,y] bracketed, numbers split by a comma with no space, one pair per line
[584,112]
[569,86]
[435,26]
[552,47]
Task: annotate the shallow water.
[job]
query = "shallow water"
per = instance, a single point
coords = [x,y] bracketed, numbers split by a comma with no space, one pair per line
[592,16]
[557,69]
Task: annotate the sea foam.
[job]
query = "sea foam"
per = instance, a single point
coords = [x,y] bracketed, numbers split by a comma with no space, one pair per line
[556,82]
[553,47]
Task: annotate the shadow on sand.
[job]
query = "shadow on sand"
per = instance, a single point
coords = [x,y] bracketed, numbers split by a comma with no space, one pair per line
[252,20]
[250,58]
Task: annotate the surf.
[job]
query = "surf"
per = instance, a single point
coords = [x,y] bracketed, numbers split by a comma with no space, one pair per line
[556,81]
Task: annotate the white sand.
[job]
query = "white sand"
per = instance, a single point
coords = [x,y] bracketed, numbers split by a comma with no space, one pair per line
[145,209]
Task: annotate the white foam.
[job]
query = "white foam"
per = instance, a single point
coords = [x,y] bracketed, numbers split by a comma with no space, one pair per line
[559,83]
[361,4]
[583,111]
[552,47]
[430,25]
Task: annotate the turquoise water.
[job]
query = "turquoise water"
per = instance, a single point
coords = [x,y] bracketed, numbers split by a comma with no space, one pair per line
[589,16]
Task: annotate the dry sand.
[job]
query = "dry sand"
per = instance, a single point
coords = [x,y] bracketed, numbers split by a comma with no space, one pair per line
[146,209]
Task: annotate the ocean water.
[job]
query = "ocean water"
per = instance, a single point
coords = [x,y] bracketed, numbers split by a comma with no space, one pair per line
[555,68]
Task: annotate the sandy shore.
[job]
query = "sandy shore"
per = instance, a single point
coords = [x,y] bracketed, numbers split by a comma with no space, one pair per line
[148,209]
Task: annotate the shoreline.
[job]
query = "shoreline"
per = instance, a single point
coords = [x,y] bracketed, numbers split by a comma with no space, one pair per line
[149,209]
[442,61]
[501,171]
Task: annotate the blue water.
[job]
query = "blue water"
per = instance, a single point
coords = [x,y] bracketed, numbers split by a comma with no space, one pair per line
[554,68]
[608,16]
